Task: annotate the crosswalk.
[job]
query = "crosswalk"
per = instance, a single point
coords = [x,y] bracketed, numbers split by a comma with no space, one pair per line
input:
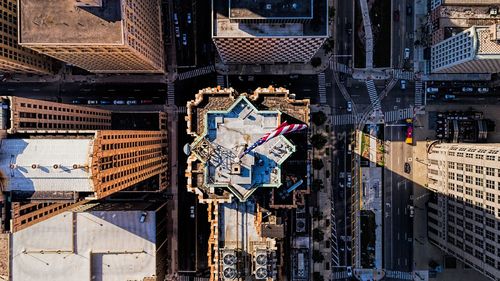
[345,119]
[170,93]
[192,278]
[400,275]
[400,114]
[339,67]
[372,93]
[196,72]
[418,93]
[339,275]
[322,88]
[221,81]
[181,110]
[333,237]
[401,74]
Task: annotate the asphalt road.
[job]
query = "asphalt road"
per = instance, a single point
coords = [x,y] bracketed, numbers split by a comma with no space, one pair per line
[398,225]
[402,32]
[344,16]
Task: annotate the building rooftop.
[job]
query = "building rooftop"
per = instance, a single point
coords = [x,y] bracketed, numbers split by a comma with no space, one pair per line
[47,164]
[262,9]
[91,245]
[63,21]
[227,134]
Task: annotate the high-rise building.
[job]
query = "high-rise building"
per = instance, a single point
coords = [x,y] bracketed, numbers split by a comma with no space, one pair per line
[474,50]
[224,124]
[55,156]
[464,210]
[14,58]
[249,32]
[101,36]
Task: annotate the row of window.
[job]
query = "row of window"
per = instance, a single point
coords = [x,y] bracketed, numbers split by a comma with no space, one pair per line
[66,109]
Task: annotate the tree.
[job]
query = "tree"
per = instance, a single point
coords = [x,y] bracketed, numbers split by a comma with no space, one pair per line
[318,118]
[317,184]
[318,235]
[318,256]
[318,164]
[316,61]
[318,277]
[318,141]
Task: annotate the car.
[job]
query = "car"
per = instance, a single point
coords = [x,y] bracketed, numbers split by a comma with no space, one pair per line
[467,89]
[449,97]
[294,76]
[119,102]
[439,136]
[251,78]
[177,32]
[176,19]
[409,134]
[143,217]
[146,101]
[395,15]
[348,28]
[191,212]
[409,10]
[349,106]
[403,84]
[483,90]
[407,168]
[92,102]
[349,271]
[184,39]
[104,102]
[407,53]
[349,182]
[432,90]
[189,17]
[76,101]
[132,102]
[412,211]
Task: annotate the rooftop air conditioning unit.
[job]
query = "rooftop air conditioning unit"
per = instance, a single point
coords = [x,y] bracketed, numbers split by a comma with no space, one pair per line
[300,225]
[261,264]
[229,261]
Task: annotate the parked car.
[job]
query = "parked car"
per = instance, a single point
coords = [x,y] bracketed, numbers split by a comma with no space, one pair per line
[176,19]
[184,39]
[349,106]
[467,89]
[177,32]
[409,10]
[349,271]
[76,101]
[142,219]
[407,53]
[407,168]
[403,84]
[104,102]
[412,211]
[146,101]
[483,90]
[132,102]
[449,97]
[119,102]
[92,102]
[349,182]
[348,28]
[191,212]
[395,15]
[189,17]
[432,90]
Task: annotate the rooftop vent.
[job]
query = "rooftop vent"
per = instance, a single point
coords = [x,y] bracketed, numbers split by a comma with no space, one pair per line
[230,273]
[261,273]
[268,6]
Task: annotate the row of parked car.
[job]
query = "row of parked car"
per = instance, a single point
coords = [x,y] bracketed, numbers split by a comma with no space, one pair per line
[115,102]
[480,90]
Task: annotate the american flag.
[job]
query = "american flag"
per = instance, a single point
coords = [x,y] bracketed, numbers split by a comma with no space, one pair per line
[282,129]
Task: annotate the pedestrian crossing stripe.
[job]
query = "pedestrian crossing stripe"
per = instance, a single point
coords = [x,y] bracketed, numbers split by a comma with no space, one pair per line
[196,72]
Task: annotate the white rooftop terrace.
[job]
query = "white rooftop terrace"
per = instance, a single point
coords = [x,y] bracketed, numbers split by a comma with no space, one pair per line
[47,164]
[229,132]
[95,245]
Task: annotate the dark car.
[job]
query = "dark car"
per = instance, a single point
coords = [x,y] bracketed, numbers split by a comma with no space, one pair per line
[409,10]
[395,15]
[407,168]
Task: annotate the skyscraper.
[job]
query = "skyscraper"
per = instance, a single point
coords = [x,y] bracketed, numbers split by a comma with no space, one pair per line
[464,209]
[102,36]
[14,58]
[249,32]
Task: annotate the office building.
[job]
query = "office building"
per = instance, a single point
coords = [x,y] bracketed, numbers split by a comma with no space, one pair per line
[437,3]
[225,123]
[101,36]
[94,241]
[464,210]
[14,58]
[250,32]
[474,50]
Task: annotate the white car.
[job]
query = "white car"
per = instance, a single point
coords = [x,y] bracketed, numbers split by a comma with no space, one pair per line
[403,84]
[432,90]
[483,90]
[189,17]
[349,106]
[407,53]
[191,212]
[467,89]
[177,32]
[176,19]
[184,39]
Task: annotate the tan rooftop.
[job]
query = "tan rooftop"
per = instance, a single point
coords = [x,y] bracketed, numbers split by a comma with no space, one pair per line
[254,9]
[486,44]
[62,21]
[469,2]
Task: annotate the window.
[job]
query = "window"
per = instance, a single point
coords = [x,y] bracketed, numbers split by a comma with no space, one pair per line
[490,222]
[479,194]
[490,197]
[460,166]
[468,155]
[479,156]
[460,177]
[479,169]
[490,184]
[460,188]
[490,248]
[490,210]
[478,218]
[478,242]
[479,231]
[468,167]
[451,165]
[451,176]
[490,235]
[479,181]
[490,171]
[468,179]
[490,157]
[468,190]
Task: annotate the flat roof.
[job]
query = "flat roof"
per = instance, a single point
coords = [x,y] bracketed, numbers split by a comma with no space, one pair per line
[92,245]
[268,9]
[28,164]
[62,21]
[229,133]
